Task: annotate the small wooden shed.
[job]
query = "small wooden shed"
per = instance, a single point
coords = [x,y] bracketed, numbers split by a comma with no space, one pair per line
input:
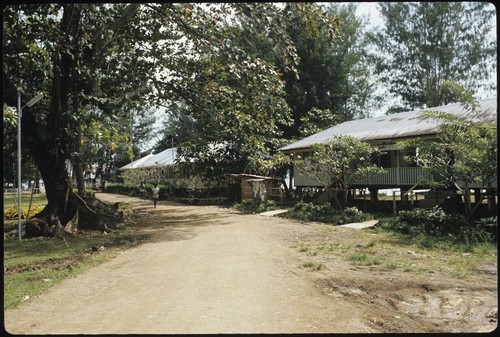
[254,187]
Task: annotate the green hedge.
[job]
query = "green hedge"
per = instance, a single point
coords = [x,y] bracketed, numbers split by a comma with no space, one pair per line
[326,213]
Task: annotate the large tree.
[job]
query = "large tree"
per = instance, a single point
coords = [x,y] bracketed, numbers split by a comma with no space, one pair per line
[72,53]
[96,62]
[327,84]
[423,44]
[331,82]
[347,72]
[236,121]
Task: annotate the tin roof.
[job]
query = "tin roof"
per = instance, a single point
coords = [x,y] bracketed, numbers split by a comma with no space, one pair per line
[166,157]
[135,164]
[400,125]
[253,176]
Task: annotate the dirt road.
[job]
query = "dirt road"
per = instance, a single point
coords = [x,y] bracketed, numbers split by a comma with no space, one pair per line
[206,269]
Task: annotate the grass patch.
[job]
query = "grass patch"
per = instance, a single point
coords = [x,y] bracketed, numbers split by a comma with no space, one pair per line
[395,251]
[363,259]
[313,266]
[328,229]
[10,199]
[33,265]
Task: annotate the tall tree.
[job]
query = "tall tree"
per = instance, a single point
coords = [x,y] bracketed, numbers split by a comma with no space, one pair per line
[331,73]
[234,123]
[70,53]
[423,44]
[97,61]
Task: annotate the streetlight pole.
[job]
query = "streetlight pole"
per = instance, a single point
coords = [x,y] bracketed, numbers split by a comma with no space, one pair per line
[19,115]
[19,112]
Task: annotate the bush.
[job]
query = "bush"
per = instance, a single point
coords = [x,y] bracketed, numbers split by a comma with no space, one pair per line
[437,223]
[326,213]
[249,206]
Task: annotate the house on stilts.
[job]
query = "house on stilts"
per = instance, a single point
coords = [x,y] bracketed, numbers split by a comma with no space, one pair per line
[387,133]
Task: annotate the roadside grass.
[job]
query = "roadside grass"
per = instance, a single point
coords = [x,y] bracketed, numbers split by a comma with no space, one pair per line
[10,199]
[33,265]
[394,251]
[313,266]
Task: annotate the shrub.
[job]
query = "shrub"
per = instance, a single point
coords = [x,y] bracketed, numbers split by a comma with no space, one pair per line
[436,223]
[352,214]
[326,213]
[249,206]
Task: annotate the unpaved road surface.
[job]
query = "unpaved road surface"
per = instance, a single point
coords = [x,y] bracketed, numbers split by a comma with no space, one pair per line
[207,269]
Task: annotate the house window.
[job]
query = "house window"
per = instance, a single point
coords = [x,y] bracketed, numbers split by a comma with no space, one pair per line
[384,160]
[304,156]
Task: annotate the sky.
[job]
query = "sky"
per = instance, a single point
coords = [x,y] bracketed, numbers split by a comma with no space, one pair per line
[370,10]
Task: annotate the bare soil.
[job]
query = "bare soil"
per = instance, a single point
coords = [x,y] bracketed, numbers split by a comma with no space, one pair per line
[208,269]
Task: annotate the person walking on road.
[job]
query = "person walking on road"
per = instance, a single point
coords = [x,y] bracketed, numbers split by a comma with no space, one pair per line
[142,190]
[156,193]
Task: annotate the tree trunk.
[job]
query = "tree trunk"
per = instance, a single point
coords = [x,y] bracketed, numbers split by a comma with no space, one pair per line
[67,211]
[66,208]
[51,150]
[79,176]
[77,160]
[467,201]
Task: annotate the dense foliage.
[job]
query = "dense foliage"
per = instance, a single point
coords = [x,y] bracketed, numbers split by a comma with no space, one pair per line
[250,206]
[331,84]
[437,223]
[98,64]
[326,213]
[340,163]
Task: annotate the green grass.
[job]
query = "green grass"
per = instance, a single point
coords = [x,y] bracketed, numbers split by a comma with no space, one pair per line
[33,265]
[313,266]
[394,251]
[10,199]
[364,259]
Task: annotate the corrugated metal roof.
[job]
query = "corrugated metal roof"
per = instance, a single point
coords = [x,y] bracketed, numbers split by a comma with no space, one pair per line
[136,163]
[166,157]
[405,124]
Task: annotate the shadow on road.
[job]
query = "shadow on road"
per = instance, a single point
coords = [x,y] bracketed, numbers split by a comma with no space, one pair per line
[174,222]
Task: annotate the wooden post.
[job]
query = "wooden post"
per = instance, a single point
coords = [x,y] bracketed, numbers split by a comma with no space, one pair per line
[393,201]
